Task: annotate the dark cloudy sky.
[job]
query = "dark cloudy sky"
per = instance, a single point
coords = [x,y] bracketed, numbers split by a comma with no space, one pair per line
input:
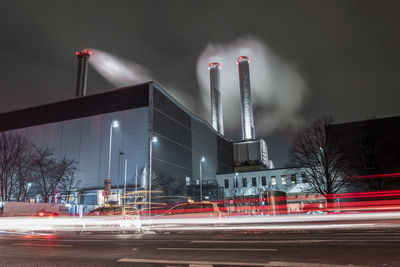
[346,52]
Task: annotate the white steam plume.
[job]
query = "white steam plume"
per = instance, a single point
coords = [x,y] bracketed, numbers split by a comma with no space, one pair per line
[277,88]
[119,72]
[122,72]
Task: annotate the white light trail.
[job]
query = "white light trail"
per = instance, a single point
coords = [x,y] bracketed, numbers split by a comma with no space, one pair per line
[117,224]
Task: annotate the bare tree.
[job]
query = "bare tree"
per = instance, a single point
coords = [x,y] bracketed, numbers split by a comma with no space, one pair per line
[171,187]
[319,159]
[69,184]
[49,173]
[15,153]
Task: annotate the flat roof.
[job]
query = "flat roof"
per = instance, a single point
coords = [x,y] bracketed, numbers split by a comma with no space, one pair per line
[105,102]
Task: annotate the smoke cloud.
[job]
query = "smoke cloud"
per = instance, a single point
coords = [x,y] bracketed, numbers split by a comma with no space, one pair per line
[119,72]
[277,87]
[123,72]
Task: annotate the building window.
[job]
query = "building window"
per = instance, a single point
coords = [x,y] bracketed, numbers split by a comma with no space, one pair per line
[253,181]
[226,181]
[263,180]
[187,180]
[244,182]
[283,179]
[293,178]
[273,180]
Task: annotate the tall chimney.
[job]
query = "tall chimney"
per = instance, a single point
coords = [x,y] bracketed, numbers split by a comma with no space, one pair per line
[216,103]
[81,80]
[245,98]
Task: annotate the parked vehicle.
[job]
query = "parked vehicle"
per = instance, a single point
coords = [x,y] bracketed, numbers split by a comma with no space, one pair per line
[114,218]
[43,213]
[202,209]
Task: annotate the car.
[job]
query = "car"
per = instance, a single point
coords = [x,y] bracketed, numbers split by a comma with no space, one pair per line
[204,209]
[189,215]
[114,211]
[43,213]
[114,218]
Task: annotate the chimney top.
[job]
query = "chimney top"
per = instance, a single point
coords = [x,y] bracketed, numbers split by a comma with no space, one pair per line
[83,53]
[214,64]
[243,58]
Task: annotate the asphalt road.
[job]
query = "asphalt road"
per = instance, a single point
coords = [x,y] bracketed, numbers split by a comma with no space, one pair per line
[242,248]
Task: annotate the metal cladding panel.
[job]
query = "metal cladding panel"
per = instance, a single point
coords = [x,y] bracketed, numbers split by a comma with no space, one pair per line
[172,152]
[204,144]
[216,102]
[86,140]
[254,149]
[250,153]
[171,128]
[167,106]
[245,97]
[225,155]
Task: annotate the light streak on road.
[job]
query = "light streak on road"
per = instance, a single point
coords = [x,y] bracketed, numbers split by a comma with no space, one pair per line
[82,225]
[68,224]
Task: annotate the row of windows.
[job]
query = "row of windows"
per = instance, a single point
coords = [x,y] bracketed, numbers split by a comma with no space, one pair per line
[293,180]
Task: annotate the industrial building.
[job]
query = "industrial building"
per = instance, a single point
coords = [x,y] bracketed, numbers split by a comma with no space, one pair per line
[141,125]
[140,138]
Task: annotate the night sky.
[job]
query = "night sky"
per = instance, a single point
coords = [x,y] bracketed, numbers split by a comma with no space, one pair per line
[339,58]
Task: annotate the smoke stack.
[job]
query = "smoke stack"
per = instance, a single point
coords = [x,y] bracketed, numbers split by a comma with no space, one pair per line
[245,98]
[216,103]
[81,81]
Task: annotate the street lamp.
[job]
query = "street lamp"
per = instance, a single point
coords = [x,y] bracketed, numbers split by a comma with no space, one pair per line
[202,159]
[113,124]
[154,139]
[125,170]
[119,169]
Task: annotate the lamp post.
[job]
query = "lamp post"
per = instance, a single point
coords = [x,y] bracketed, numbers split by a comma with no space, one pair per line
[154,139]
[125,171]
[113,124]
[202,159]
[119,168]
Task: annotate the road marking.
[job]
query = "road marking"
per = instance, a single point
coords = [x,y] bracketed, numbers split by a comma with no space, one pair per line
[289,241]
[200,265]
[203,263]
[134,249]
[303,264]
[222,249]
[257,241]
[224,263]
[41,245]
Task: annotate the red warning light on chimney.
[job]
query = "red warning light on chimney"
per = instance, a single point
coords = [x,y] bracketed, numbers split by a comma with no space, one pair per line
[83,53]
